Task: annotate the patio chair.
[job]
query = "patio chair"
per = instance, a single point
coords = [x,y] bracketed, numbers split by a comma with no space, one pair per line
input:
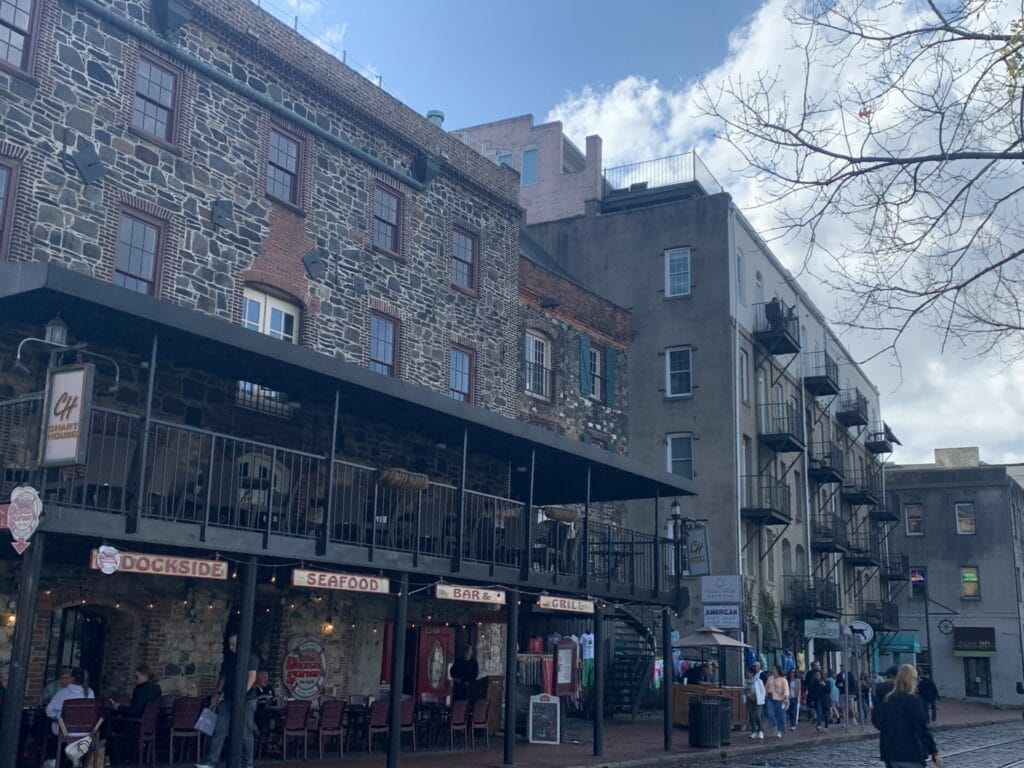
[407,723]
[376,723]
[332,719]
[481,713]
[146,742]
[78,718]
[459,723]
[184,713]
[295,713]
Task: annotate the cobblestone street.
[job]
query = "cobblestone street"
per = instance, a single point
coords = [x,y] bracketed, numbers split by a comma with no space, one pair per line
[993,746]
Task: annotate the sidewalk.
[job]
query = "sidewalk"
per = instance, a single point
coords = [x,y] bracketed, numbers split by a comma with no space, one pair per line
[639,744]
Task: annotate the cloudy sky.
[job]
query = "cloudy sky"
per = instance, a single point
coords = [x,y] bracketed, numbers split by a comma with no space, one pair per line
[627,72]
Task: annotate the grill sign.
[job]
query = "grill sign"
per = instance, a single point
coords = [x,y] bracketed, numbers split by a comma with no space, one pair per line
[68,394]
[554,603]
[304,670]
[343,582]
[109,561]
[470,594]
[21,516]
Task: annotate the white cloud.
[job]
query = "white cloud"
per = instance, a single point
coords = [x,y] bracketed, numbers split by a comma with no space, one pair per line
[933,400]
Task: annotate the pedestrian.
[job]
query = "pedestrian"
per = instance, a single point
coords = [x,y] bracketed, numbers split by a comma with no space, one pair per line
[795,686]
[222,702]
[833,699]
[755,702]
[881,691]
[929,694]
[777,700]
[865,696]
[852,696]
[905,741]
[818,700]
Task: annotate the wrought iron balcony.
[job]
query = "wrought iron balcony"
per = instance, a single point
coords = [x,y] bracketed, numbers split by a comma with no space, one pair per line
[883,513]
[821,374]
[765,500]
[882,615]
[852,410]
[825,463]
[780,427]
[879,438]
[862,488]
[539,381]
[777,327]
[829,533]
[896,566]
[810,596]
[865,549]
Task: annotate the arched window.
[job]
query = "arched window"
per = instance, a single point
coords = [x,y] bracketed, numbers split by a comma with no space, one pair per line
[787,558]
[801,560]
[758,287]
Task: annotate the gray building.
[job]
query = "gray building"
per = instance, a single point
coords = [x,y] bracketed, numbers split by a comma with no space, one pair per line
[963,532]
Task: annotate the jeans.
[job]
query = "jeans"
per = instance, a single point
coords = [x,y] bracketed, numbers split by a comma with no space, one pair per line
[932,710]
[223,728]
[820,714]
[793,713]
[776,715]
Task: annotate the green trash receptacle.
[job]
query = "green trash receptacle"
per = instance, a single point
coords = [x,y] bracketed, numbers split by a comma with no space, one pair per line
[705,721]
[725,713]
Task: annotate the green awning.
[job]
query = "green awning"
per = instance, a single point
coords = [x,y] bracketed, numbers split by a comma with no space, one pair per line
[900,642]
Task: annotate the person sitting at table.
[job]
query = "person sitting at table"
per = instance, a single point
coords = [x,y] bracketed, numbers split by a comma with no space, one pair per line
[50,690]
[76,689]
[126,730]
[267,717]
[464,673]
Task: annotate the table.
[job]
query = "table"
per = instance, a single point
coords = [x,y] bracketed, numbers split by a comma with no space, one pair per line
[432,720]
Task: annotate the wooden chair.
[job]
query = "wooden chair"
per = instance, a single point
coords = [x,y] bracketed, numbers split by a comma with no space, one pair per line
[407,723]
[332,724]
[459,723]
[481,713]
[78,718]
[295,713]
[184,712]
[376,723]
[147,733]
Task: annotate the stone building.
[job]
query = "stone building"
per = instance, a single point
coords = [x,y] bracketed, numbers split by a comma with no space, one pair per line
[961,524]
[292,314]
[736,380]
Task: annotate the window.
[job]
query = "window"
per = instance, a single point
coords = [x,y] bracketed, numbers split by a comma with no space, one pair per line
[596,374]
[530,170]
[741,277]
[678,372]
[16,21]
[918,581]
[463,259]
[387,207]
[6,204]
[460,375]
[537,366]
[274,317]
[680,455]
[970,583]
[283,158]
[504,158]
[978,677]
[138,251]
[677,272]
[965,518]
[383,344]
[156,96]
[913,516]
[597,371]
[744,376]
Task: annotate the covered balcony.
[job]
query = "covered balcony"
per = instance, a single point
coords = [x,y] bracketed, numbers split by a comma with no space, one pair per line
[864,550]
[829,533]
[896,566]
[879,438]
[883,513]
[777,327]
[780,427]
[862,487]
[821,374]
[825,463]
[810,596]
[852,408]
[764,500]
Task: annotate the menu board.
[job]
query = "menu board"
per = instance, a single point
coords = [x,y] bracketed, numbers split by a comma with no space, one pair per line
[544,725]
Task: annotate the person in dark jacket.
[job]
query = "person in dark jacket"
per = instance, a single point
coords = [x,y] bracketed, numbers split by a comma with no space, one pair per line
[881,691]
[903,722]
[929,694]
[819,699]
[126,727]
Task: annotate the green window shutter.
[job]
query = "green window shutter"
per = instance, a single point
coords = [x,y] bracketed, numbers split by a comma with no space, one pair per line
[586,385]
[609,376]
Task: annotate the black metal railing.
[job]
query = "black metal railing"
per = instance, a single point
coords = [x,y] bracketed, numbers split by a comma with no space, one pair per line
[821,374]
[878,438]
[661,172]
[865,549]
[880,614]
[779,424]
[778,318]
[539,381]
[862,487]
[897,566]
[890,615]
[825,462]
[809,595]
[765,496]
[852,409]
[829,533]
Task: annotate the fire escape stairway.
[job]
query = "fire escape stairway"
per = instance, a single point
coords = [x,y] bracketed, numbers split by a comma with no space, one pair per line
[628,672]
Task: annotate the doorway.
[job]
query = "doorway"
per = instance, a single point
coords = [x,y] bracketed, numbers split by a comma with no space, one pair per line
[77,639]
[978,677]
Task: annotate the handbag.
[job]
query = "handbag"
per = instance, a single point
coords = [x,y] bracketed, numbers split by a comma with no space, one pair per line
[207,722]
[78,749]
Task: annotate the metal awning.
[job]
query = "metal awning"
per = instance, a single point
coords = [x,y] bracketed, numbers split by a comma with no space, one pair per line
[104,313]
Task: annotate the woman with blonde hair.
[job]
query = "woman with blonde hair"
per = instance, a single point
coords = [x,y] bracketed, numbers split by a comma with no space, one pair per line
[905,741]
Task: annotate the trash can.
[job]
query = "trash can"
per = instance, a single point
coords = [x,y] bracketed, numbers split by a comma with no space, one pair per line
[705,721]
[725,712]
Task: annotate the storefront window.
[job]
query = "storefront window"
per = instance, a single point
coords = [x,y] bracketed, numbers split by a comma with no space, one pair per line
[977,677]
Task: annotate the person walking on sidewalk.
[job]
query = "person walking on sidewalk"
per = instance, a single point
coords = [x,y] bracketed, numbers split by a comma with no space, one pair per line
[755,703]
[818,699]
[777,701]
[905,741]
[793,713]
[224,697]
[929,694]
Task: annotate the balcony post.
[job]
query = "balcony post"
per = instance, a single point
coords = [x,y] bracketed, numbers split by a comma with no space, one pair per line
[511,662]
[131,523]
[325,534]
[584,564]
[397,672]
[657,543]
[669,676]
[460,523]
[599,651]
[244,645]
[527,549]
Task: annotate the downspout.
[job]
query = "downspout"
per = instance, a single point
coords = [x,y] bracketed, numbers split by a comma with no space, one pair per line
[738,441]
[808,646]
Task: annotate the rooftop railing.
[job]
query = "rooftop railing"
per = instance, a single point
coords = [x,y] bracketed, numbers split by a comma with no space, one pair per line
[661,172]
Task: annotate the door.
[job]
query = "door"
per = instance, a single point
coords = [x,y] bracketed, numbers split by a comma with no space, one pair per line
[977,677]
[80,642]
[435,653]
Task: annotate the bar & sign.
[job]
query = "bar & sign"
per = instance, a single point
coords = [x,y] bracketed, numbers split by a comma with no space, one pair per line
[470,594]
[108,560]
[555,603]
[342,582]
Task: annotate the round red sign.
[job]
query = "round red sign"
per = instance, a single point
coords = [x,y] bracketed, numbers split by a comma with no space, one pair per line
[304,670]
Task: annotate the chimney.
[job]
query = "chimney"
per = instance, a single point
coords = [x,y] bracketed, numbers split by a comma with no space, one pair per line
[436,116]
[957,457]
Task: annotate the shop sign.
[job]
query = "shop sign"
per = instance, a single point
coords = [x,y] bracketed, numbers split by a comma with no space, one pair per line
[722,616]
[698,561]
[304,669]
[544,722]
[974,641]
[342,582]
[918,576]
[555,603]
[21,516]
[822,629]
[109,560]
[721,589]
[68,396]
[470,594]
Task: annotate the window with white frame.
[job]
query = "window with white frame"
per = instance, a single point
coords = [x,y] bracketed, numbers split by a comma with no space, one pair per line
[677,272]
[965,518]
[269,315]
[680,455]
[504,158]
[597,379]
[744,376]
[741,277]
[537,365]
[383,344]
[678,372]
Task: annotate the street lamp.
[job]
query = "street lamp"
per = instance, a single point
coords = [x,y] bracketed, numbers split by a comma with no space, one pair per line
[56,335]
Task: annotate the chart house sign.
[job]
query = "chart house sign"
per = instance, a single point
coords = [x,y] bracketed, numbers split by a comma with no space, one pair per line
[304,669]
[68,395]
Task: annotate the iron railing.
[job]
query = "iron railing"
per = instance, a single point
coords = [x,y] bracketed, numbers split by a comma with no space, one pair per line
[821,368]
[809,595]
[865,548]
[661,172]
[852,410]
[777,317]
[825,461]
[829,533]
[540,381]
[781,419]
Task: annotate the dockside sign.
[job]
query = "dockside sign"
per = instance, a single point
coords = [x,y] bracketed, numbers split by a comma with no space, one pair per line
[109,560]
[342,582]
[470,594]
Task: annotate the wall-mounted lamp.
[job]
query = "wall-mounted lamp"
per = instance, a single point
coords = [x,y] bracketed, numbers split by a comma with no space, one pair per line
[328,628]
[56,335]
[674,508]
